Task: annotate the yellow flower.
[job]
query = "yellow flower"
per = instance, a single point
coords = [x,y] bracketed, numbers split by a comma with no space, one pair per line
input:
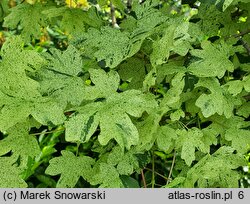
[77,3]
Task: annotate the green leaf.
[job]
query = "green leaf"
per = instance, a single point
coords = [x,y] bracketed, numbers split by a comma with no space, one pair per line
[244,110]
[21,15]
[226,4]
[74,21]
[175,38]
[108,44]
[188,141]
[129,182]
[125,162]
[162,47]
[107,176]
[246,81]
[172,97]
[10,174]
[112,113]
[240,139]
[175,183]
[133,71]
[71,168]
[169,68]
[175,116]
[233,129]
[166,137]
[216,170]
[18,92]
[60,80]
[128,164]
[20,143]
[148,131]
[218,101]
[80,127]
[105,84]
[4,9]
[234,87]
[213,60]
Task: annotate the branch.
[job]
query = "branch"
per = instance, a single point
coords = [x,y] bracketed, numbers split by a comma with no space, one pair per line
[164,177]
[245,45]
[241,33]
[243,42]
[143,179]
[112,13]
[171,169]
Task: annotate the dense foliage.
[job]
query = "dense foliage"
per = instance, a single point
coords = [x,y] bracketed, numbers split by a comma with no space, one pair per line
[119,93]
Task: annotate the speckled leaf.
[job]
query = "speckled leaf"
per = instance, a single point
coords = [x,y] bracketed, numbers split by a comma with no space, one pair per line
[71,168]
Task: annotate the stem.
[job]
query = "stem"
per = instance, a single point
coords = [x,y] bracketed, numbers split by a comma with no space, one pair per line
[47,132]
[189,122]
[241,33]
[245,45]
[171,169]
[77,150]
[164,177]
[183,125]
[112,13]
[153,170]
[143,179]
[198,122]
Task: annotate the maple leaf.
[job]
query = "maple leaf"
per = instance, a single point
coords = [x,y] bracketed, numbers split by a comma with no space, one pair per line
[175,38]
[21,15]
[19,93]
[233,129]
[221,165]
[74,21]
[188,141]
[106,175]
[10,174]
[71,168]
[105,84]
[218,101]
[213,60]
[244,110]
[112,114]
[172,97]
[166,137]
[20,143]
[125,162]
[108,44]
[162,47]
[133,71]
[59,79]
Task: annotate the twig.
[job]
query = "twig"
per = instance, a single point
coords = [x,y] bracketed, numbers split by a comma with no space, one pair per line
[245,45]
[143,179]
[240,35]
[237,35]
[112,13]
[47,132]
[171,169]
[153,170]
[157,173]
